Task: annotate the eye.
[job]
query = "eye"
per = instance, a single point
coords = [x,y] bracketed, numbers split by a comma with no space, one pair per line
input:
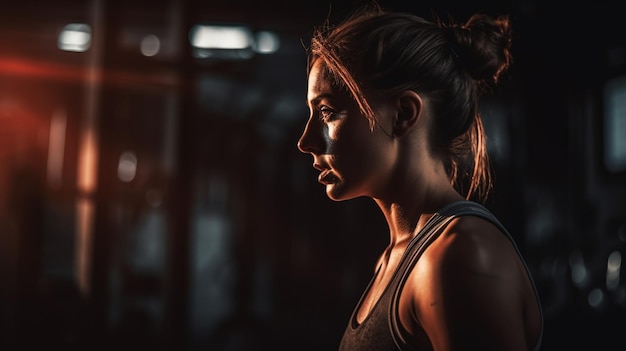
[327,114]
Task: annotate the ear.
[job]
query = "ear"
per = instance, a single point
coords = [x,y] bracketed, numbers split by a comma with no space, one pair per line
[409,110]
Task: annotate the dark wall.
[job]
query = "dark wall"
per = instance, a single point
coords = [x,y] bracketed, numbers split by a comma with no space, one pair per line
[199,225]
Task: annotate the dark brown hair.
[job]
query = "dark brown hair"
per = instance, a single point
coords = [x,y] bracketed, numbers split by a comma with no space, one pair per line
[374,52]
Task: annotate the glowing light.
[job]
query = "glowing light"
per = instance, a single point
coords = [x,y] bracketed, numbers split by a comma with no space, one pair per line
[88,159]
[150,45]
[221,37]
[267,42]
[56,148]
[595,298]
[75,37]
[578,269]
[613,267]
[127,166]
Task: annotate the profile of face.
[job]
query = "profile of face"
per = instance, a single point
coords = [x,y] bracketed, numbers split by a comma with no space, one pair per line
[353,159]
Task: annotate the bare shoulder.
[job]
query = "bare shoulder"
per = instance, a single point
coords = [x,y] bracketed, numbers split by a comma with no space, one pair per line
[470,286]
[470,260]
[470,242]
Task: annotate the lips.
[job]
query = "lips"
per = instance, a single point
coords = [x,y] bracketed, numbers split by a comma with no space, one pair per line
[327,177]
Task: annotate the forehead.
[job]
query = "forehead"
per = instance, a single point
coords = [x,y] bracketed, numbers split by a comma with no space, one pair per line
[318,78]
[321,83]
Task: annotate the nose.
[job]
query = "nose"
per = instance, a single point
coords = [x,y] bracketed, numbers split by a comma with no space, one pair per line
[311,139]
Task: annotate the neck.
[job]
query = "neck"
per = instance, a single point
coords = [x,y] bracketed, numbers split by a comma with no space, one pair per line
[411,204]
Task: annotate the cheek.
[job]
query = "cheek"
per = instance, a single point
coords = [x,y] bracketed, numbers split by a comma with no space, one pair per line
[365,155]
[353,147]
[353,130]
[332,132]
[343,140]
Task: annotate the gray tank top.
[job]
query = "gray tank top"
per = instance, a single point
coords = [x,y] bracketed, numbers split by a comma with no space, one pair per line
[381,330]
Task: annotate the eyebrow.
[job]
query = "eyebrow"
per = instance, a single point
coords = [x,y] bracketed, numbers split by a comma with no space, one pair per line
[318,98]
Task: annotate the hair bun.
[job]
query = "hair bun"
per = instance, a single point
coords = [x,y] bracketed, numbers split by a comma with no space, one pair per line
[482,45]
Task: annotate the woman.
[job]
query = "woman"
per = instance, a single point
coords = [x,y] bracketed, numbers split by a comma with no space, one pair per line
[393,102]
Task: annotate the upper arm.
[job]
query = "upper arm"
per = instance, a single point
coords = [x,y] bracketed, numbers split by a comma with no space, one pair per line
[467,289]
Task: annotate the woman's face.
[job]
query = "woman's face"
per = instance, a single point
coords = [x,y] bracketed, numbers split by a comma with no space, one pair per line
[353,159]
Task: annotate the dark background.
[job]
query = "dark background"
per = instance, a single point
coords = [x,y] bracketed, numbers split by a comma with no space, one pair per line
[221,238]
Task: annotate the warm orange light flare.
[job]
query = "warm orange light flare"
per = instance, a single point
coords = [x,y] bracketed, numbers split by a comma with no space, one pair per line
[87,162]
[27,68]
[12,66]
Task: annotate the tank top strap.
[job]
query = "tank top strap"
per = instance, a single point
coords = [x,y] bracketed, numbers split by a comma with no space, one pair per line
[414,250]
[424,238]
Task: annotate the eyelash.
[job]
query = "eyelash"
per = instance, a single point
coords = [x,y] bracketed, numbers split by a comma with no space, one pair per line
[327,114]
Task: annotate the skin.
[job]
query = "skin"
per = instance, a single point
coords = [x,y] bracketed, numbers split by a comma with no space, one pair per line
[477,294]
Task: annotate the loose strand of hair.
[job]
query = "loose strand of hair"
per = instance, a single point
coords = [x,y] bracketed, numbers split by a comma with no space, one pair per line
[481,179]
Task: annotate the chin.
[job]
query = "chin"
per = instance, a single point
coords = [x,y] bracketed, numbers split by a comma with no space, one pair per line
[338,193]
[337,199]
